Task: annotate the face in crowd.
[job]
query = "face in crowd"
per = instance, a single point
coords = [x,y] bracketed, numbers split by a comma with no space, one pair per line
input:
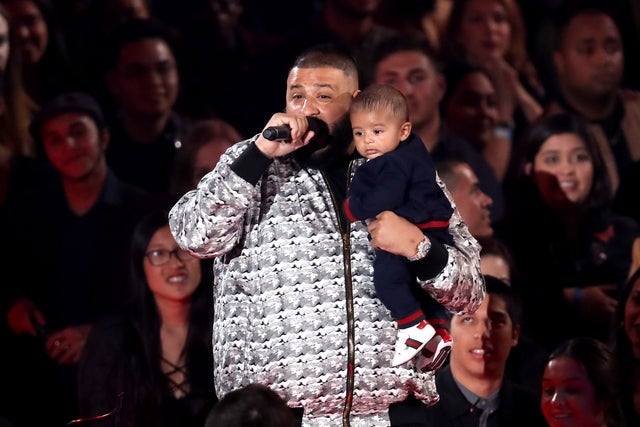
[472,109]
[74,145]
[173,274]
[569,396]
[473,204]
[590,61]
[413,74]
[31,29]
[563,170]
[485,31]
[483,341]
[145,81]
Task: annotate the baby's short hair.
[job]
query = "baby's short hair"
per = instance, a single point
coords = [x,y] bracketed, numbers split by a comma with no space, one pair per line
[377,97]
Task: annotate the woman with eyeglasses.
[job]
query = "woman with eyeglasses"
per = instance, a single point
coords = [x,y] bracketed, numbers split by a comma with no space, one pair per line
[158,352]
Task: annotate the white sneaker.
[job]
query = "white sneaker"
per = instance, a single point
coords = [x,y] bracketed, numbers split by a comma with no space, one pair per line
[410,341]
[435,352]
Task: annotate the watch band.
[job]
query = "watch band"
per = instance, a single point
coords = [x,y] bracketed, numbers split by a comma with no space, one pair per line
[422,251]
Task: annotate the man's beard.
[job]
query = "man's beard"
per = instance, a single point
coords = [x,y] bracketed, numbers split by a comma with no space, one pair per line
[338,143]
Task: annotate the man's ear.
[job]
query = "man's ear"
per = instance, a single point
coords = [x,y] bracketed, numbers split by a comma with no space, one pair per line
[405,130]
[516,335]
[105,136]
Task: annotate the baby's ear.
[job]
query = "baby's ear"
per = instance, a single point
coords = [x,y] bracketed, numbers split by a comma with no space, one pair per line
[405,130]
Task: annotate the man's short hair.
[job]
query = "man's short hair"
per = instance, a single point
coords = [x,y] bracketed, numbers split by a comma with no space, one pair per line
[447,171]
[496,287]
[327,55]
[570,10]
[132,31]
[382,97]
[406,43]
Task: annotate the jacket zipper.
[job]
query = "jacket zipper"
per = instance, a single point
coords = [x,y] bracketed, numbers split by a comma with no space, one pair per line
[351,346]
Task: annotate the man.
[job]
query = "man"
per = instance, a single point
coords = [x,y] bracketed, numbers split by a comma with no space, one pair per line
[294,300]
[412,67]
[473,388]
[589,62]
[143,81]
[67,245]
[470,200]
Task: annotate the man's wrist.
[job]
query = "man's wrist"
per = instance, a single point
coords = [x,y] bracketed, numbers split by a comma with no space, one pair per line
[422,250]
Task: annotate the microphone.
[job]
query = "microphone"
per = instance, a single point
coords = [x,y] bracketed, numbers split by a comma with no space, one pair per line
[283,132]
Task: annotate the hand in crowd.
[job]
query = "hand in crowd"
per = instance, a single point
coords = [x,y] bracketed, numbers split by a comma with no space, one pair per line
[597,303]
[66,346]
[22,314]
[505,81]
[299,135]
[394,234]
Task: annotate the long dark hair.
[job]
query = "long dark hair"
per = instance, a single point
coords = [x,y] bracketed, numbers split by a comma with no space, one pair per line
[143,339]
[600,194]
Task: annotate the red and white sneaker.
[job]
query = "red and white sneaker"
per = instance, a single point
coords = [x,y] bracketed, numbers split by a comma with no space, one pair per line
[435,352]
[410,341]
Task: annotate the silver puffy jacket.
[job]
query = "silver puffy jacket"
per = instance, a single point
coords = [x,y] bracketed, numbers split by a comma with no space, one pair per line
[295,306]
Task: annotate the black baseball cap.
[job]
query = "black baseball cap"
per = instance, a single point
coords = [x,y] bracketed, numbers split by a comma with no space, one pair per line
[70,102]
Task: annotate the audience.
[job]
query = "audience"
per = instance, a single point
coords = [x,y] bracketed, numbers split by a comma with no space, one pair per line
[200,153]
[572,252]
[470,110]
[473,204]
[158,352]
[473,388]
[491,34]
[18,169]
[143,81]
[67,250]
[46,68]
[589,62]
[576,386]
[627,350]
[411,66]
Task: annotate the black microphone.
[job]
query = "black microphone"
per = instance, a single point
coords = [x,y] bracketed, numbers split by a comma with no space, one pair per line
[283,132]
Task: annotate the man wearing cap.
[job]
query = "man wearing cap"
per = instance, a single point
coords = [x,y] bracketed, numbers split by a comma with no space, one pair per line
[66,251]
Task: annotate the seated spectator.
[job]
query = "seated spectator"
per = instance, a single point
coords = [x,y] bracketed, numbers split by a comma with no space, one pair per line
[496,259]
[46,69]
[410,65]
[576,386]
[255,405]
[491,34]
[572,252]
[473,389]
[143,81]
[18,168]
[158,352]
[627,350]
[66,244]
[527,359]
[589,61]
[472,203]
[470,110]
[200,153]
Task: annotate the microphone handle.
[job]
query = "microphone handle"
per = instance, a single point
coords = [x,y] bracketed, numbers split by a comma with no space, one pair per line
[277,133]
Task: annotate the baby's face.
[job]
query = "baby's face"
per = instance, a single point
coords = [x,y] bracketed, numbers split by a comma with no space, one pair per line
[377,132]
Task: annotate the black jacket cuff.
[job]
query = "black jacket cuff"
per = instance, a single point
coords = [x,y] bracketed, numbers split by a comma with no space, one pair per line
[251,164]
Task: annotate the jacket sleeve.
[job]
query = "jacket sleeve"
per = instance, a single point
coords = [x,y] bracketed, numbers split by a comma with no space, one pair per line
[209,221]
[451,273]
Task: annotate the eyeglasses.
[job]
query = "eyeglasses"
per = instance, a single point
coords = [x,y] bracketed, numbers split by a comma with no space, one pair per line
[162,256]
